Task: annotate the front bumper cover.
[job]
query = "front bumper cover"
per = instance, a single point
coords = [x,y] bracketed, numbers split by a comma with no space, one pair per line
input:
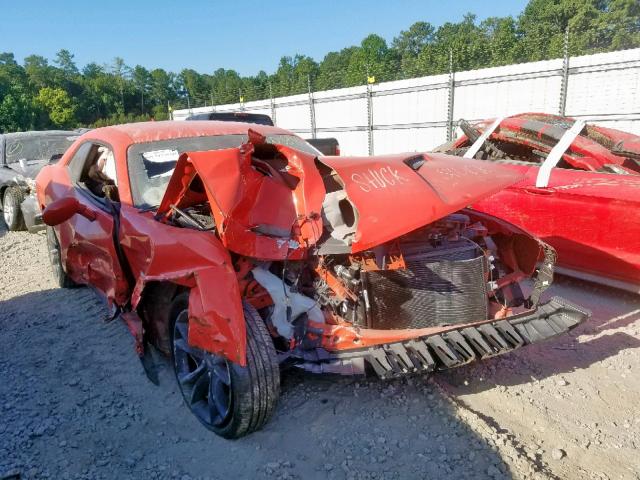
[460,346]
[32,214]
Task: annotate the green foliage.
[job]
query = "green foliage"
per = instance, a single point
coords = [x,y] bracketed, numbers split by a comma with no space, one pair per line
[44,93]
[332,71]
[16,110]
[58,105]
[373,59]
[119,118]
[410,43]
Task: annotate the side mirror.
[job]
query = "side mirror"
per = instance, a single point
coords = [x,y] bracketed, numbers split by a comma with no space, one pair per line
[63,209]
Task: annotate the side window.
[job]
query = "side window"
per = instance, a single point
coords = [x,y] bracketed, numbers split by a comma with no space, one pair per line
[93,168]
[77,162]
[14,150]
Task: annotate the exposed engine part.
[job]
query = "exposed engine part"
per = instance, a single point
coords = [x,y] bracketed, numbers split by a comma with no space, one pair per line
[339,215]
[434,276]
[445,285]
[288,305]
[198,217]
[189,219]
[445,273]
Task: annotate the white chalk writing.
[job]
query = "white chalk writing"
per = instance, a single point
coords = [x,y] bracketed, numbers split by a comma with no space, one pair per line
[377,178]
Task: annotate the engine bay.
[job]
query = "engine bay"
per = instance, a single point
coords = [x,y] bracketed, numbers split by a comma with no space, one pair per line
[309,253]
[447,273]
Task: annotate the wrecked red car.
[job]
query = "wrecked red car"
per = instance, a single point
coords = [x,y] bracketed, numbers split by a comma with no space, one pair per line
[580,190]
[235,249]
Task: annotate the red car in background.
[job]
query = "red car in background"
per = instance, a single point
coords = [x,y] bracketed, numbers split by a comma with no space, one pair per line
[580,192]
[235,248]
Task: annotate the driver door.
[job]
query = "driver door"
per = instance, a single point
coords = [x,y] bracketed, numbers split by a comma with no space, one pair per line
[87,247]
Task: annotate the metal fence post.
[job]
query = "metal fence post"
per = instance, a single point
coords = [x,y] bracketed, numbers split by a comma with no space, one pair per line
[451,91]
[312,109]
[241,97]
[273,106]
[370,116]
[564,85]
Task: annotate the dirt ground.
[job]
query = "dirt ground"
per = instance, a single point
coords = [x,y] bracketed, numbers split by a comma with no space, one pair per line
[75,403]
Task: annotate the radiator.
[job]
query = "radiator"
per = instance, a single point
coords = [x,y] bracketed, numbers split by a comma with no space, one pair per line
[440,286]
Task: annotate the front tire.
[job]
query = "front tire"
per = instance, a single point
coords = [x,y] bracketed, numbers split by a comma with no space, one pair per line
[11,201]
[226,398]
[53,247]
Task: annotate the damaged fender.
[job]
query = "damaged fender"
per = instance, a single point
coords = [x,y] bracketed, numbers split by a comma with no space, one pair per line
[268,216]
[203,266]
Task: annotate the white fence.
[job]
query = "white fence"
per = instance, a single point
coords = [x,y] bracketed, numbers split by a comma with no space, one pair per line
[416,114]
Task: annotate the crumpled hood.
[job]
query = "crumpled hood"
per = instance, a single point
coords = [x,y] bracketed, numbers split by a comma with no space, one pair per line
[270,210]
[395,194]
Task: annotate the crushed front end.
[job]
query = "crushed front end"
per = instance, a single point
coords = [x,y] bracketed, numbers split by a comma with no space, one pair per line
[371,262]
[439,297]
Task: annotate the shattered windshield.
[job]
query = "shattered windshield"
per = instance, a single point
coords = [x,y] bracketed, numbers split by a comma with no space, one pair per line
[151,164]
[36,147]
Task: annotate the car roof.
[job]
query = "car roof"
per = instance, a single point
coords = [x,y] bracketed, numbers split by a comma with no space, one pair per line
[142,132]
[42,133]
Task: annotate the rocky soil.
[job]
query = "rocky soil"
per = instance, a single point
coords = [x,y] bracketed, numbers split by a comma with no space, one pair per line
[75,403]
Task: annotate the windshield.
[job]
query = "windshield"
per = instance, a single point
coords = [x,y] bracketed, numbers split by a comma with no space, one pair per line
[151,164]
[36,147]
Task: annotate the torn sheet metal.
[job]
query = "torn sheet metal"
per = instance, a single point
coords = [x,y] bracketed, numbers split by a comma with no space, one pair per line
[256,215]
[193,260]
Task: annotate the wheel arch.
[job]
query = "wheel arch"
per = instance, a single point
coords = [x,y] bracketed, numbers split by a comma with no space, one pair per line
[3,188]
[216,316]
[12,183]
[154,310]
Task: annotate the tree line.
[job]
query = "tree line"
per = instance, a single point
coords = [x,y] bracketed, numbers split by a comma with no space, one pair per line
[41,94]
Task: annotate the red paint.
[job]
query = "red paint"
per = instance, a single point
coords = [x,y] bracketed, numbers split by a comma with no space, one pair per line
[154,250]
[64,208]
[160,252]
[262,211]
[393,199]
[591,218]
[256,215]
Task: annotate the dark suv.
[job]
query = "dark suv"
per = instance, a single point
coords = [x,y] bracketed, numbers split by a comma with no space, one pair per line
[326,146]
[22,155]
[259,118]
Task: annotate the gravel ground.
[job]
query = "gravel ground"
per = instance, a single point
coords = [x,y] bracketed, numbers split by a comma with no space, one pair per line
[75,403]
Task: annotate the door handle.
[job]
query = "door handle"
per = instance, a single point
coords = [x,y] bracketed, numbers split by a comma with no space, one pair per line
[539,191]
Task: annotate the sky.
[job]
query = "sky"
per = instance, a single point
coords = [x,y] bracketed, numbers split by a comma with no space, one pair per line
[247,36]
